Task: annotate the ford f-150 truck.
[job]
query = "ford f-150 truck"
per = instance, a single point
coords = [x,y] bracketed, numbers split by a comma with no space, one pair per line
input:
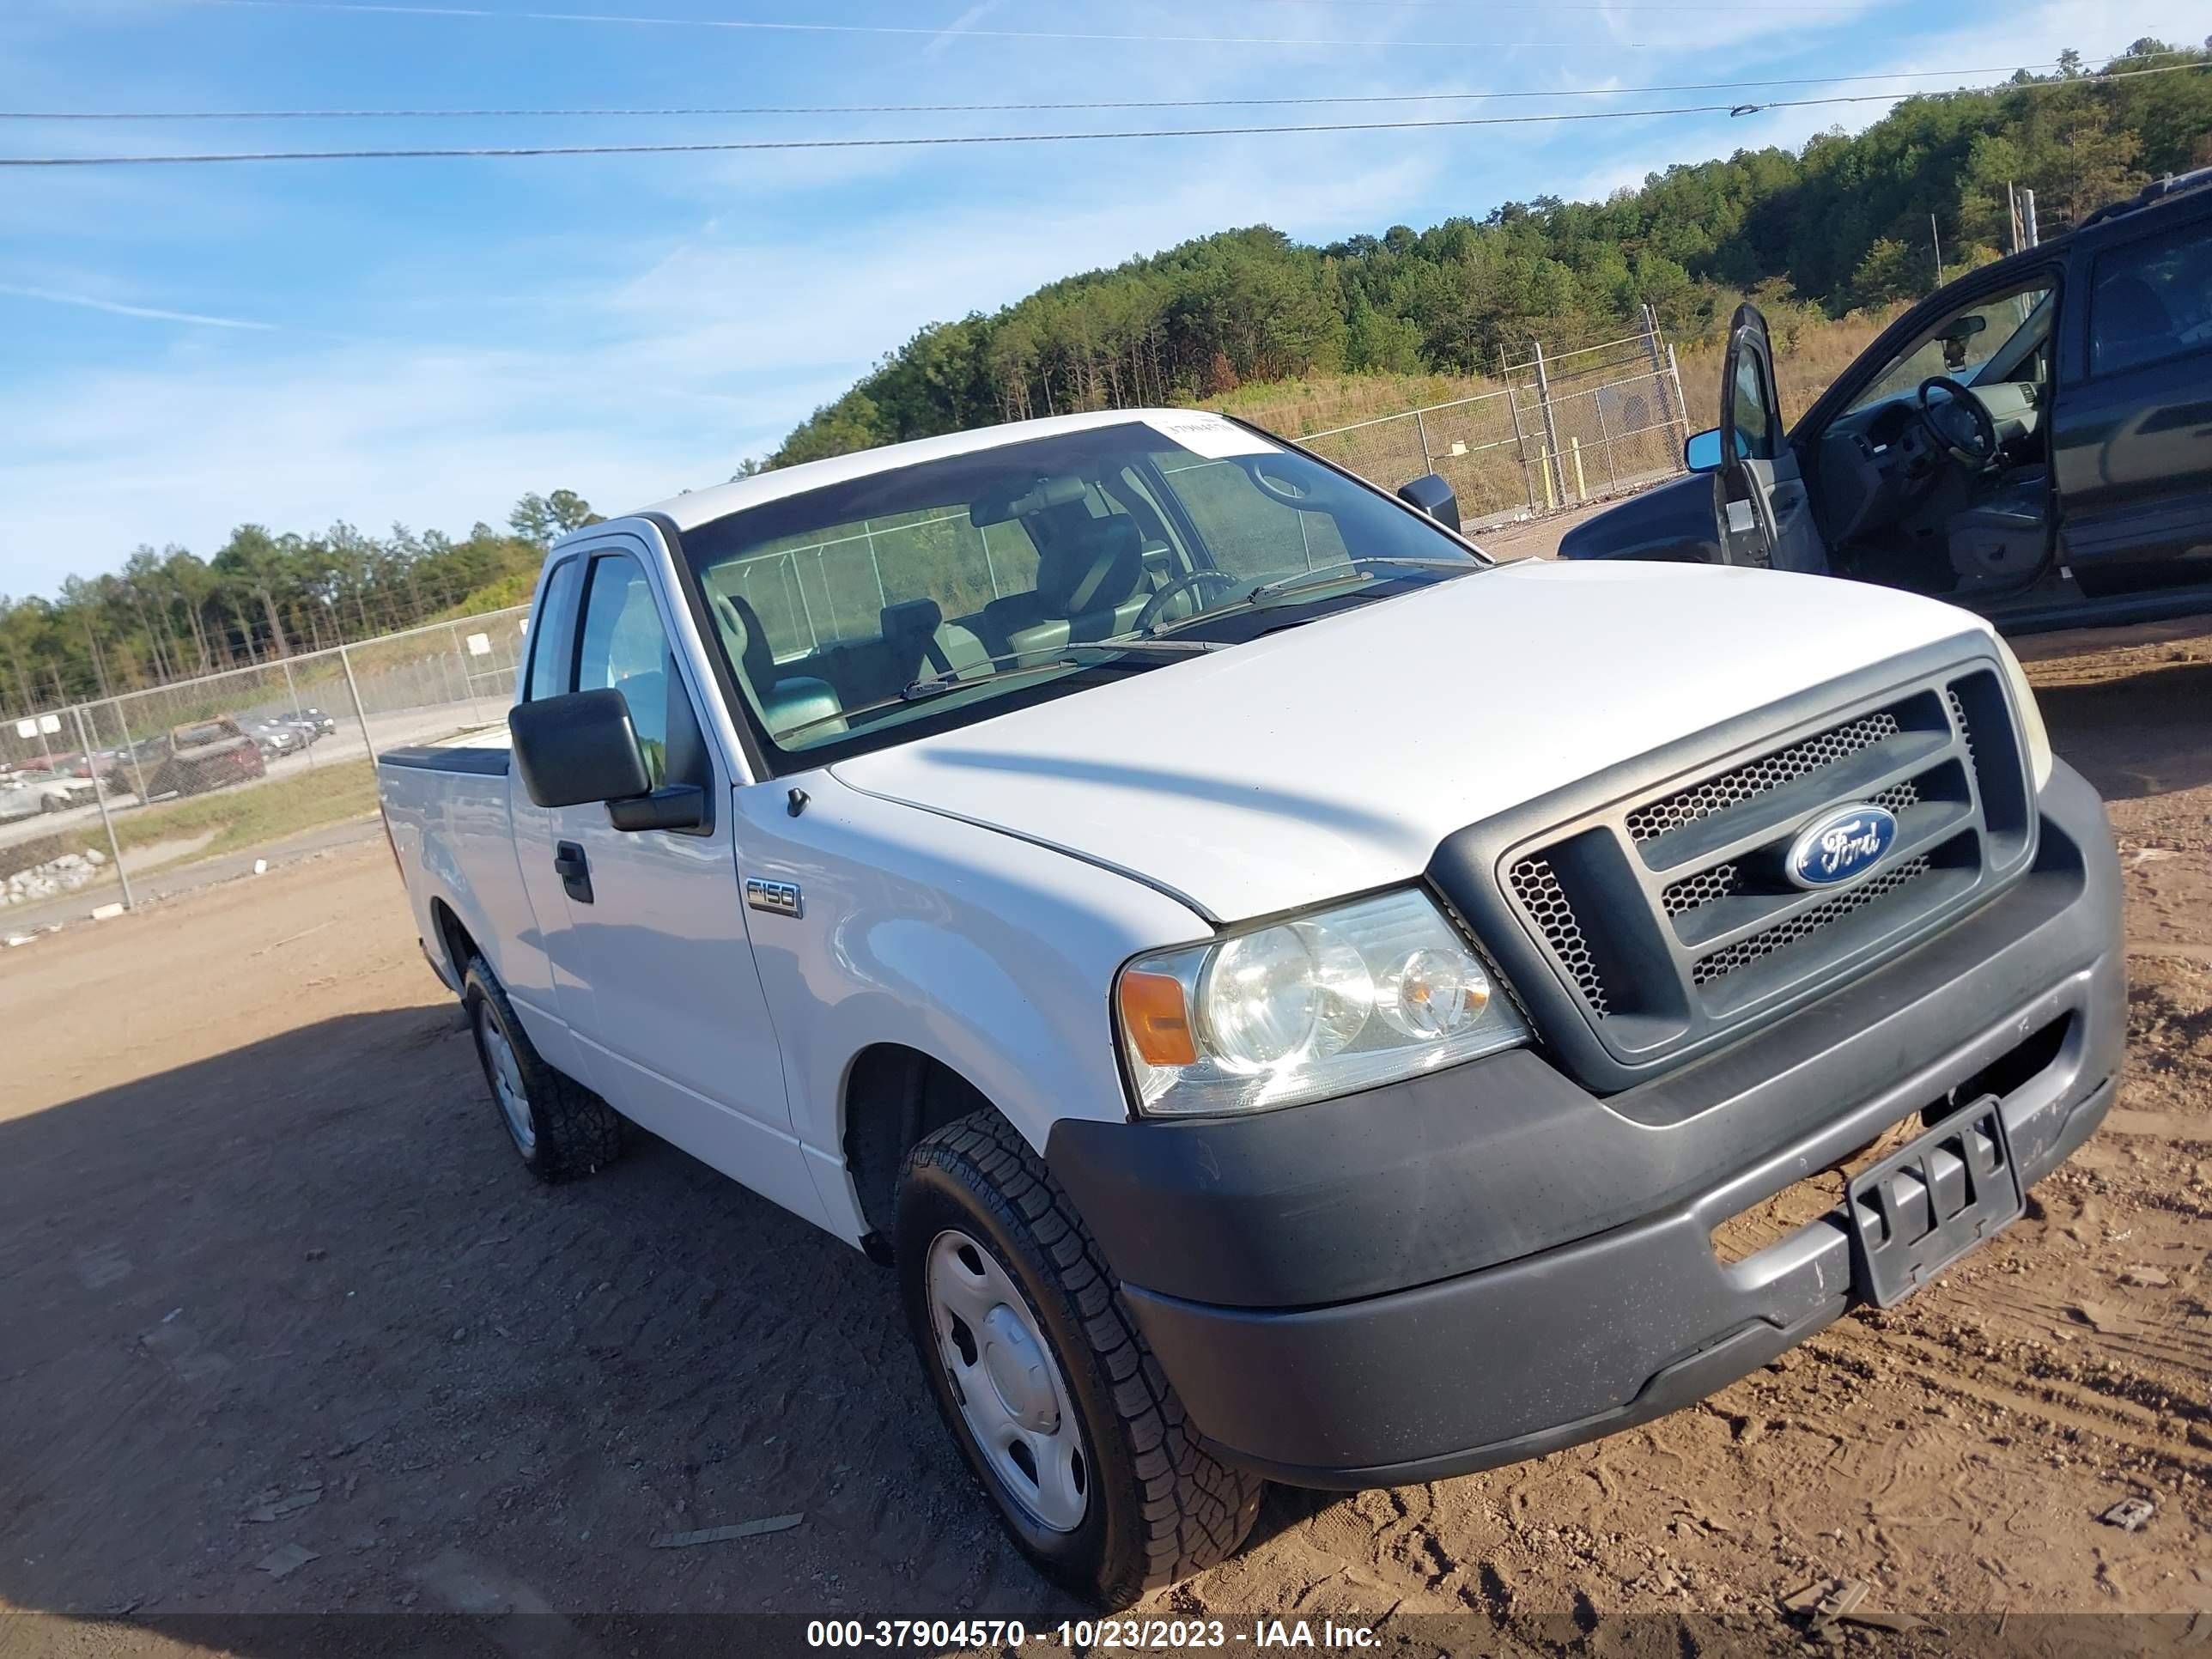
[1289,998]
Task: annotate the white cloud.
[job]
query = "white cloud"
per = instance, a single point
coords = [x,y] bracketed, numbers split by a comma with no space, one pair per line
[117,307]
[637,387]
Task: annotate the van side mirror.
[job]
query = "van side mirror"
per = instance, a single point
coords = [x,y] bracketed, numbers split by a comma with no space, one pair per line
[1431,495]
[574,750]
[1702,451]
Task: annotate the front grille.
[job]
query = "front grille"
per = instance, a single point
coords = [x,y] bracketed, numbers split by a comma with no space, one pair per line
[1806,923]
[1763,776]
[1669,917]
[1545,901]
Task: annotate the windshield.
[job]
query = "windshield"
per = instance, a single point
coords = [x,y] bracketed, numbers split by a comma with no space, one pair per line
[1012,573]
[1991,340]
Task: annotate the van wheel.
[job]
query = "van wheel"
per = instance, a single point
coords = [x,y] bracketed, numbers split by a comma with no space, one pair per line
[562,1129]
[1044,1379]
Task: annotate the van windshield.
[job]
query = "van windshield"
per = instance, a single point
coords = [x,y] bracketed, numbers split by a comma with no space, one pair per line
[952,589]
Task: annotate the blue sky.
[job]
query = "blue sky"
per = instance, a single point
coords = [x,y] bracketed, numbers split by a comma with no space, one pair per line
[185,349]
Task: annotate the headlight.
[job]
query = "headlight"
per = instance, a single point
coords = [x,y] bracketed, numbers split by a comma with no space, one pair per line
[1341,999]
[2031,716]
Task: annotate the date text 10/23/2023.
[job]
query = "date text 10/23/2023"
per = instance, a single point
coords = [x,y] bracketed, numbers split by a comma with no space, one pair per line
[1087,1635]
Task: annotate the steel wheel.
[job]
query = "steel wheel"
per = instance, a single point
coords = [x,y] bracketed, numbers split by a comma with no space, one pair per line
[505,1075]
[1010,1393]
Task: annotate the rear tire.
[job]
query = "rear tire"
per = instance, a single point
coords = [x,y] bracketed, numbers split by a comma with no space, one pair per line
[559,1129]
[1117,1494]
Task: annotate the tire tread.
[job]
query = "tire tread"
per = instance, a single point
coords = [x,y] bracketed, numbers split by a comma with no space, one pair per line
[1196,1510]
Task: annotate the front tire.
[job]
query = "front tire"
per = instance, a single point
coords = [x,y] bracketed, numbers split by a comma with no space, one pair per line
[1045,1381]
[561,1130]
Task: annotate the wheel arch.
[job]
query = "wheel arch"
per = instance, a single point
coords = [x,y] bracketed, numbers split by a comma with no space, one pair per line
[894,1096]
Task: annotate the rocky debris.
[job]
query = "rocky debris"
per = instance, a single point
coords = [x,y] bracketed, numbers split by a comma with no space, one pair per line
[65,874]
[2130,1514]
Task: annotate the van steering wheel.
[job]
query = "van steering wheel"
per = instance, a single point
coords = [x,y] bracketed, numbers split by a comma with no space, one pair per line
[1983,453]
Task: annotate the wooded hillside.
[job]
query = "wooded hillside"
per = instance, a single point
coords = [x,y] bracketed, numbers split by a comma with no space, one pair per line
[1842,225]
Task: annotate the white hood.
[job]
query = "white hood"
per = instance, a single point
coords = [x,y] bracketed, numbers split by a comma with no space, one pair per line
[1332,758]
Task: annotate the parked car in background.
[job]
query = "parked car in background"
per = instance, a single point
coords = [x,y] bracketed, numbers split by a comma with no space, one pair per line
[47,791]
[2033,441]
[275,738]
[1286,997]
[202,755]
[23,798]
[314,722]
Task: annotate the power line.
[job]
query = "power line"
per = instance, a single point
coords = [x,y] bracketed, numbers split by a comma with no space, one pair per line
[950,139]
[969,109]
[945,32]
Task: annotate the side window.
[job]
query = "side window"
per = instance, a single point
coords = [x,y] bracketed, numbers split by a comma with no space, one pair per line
[552,627]
[1754,414]
[625,650]
[1247,529]
[2152,300]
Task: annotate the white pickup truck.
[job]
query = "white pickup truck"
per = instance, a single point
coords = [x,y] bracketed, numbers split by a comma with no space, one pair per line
[1289,998]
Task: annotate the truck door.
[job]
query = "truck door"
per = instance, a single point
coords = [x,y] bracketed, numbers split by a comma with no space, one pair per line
[2131,442]
[670,1008]
[1764,515]
[538,980]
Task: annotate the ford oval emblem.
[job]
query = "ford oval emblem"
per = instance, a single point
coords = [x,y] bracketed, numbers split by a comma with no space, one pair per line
[1839,845]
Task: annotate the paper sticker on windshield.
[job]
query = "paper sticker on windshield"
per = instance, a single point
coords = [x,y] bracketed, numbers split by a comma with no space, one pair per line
[1209,435]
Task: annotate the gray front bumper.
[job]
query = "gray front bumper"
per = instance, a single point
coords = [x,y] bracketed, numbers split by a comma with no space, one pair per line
[1258,1255]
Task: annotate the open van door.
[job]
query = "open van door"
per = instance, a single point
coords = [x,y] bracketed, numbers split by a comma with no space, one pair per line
[1764,514]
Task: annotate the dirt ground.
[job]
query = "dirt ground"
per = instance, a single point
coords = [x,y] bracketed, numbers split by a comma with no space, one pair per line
[283,1329]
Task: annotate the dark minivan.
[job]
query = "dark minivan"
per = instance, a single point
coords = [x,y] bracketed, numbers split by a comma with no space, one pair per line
[2033,440]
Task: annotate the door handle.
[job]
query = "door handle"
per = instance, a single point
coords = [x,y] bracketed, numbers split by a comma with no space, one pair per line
[574,869]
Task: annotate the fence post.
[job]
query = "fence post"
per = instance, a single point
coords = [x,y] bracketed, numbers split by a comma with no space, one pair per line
[353,688]
[1551,428]
[1675,374]
[1658,369]
[100,796]
[292,690]
[1421,426]
[1521,443]
[1605,442]
[131,748]
[468,679]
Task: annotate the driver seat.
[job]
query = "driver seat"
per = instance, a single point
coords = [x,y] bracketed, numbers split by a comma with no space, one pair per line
[1090,585]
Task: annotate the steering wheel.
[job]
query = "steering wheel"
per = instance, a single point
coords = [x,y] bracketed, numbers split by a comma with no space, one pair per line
[1184,584]
[1944,431]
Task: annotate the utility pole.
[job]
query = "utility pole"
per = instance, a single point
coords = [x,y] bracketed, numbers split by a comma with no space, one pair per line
[2028,217]
[1937,241]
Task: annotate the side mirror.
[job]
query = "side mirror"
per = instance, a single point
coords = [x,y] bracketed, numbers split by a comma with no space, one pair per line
[578,749]
[1432,496]
[1702,451]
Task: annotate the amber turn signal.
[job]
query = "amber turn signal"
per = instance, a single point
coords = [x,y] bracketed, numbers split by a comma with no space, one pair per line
[1156,1019]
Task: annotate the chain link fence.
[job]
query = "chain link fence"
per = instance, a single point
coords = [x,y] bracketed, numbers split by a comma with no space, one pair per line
[94,795]
[1559,432]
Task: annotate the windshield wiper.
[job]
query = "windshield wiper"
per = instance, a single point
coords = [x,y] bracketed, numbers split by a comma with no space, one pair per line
[1057,658]
[1327,576]
[1352,569]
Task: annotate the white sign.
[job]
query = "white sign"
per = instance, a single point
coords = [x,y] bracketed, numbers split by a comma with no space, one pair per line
[26,728]
[49,724]
[1209,435]
[479,645]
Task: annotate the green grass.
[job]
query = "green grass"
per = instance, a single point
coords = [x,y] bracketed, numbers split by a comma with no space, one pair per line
[240,819]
